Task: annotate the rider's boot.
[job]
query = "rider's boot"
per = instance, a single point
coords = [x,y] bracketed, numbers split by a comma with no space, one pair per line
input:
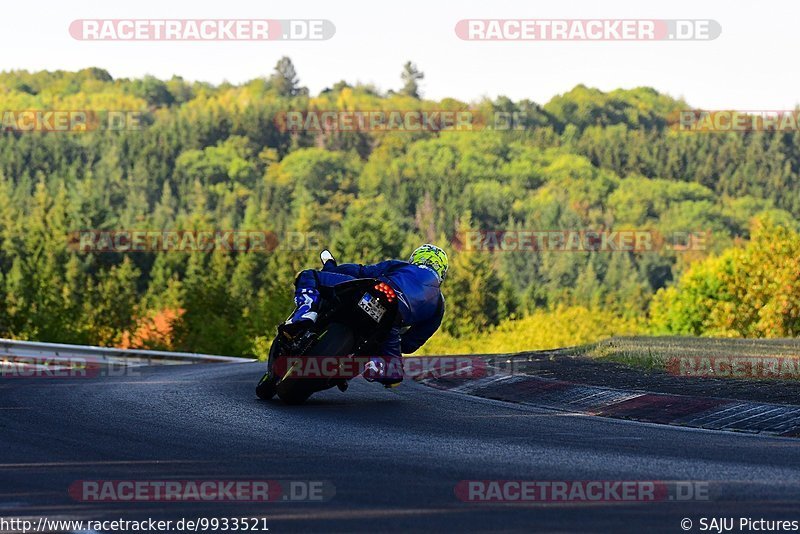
[306,301]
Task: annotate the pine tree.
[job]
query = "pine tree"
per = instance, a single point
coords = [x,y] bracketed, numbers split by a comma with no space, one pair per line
[411,76]
[284,80]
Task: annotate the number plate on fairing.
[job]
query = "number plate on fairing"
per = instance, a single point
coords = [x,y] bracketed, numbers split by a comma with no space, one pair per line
[374,309]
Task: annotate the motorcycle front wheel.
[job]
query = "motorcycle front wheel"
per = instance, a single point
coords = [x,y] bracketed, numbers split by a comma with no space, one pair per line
[337,340]
[265,389]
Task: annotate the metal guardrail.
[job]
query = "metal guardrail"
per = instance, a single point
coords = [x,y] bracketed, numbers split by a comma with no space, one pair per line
[36,349]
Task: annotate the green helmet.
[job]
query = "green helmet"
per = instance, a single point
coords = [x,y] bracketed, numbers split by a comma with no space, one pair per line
[432,257]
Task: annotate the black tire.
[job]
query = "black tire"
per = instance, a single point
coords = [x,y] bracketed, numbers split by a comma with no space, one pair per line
[338,340]
[265,389]
[295,395]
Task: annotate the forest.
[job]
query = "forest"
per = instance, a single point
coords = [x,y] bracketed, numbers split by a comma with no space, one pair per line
[220,158]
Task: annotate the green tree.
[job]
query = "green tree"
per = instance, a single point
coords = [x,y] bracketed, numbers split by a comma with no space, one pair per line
[750,291]
[112,305]
[372,231]
[472,291]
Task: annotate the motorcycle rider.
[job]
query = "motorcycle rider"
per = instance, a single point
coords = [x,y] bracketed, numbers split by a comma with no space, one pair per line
[421,304]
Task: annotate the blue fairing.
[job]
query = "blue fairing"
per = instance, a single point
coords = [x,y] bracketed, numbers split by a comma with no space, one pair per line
[421,302]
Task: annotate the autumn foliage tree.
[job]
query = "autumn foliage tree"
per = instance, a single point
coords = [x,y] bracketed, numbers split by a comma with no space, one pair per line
[748,291]
[220,157]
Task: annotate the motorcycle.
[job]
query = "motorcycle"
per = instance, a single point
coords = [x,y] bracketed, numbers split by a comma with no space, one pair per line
[355,317]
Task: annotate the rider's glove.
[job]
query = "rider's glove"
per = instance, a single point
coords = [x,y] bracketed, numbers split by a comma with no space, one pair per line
[374,370]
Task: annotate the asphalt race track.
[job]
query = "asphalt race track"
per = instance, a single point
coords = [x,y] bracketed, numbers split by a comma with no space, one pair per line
[394,456]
